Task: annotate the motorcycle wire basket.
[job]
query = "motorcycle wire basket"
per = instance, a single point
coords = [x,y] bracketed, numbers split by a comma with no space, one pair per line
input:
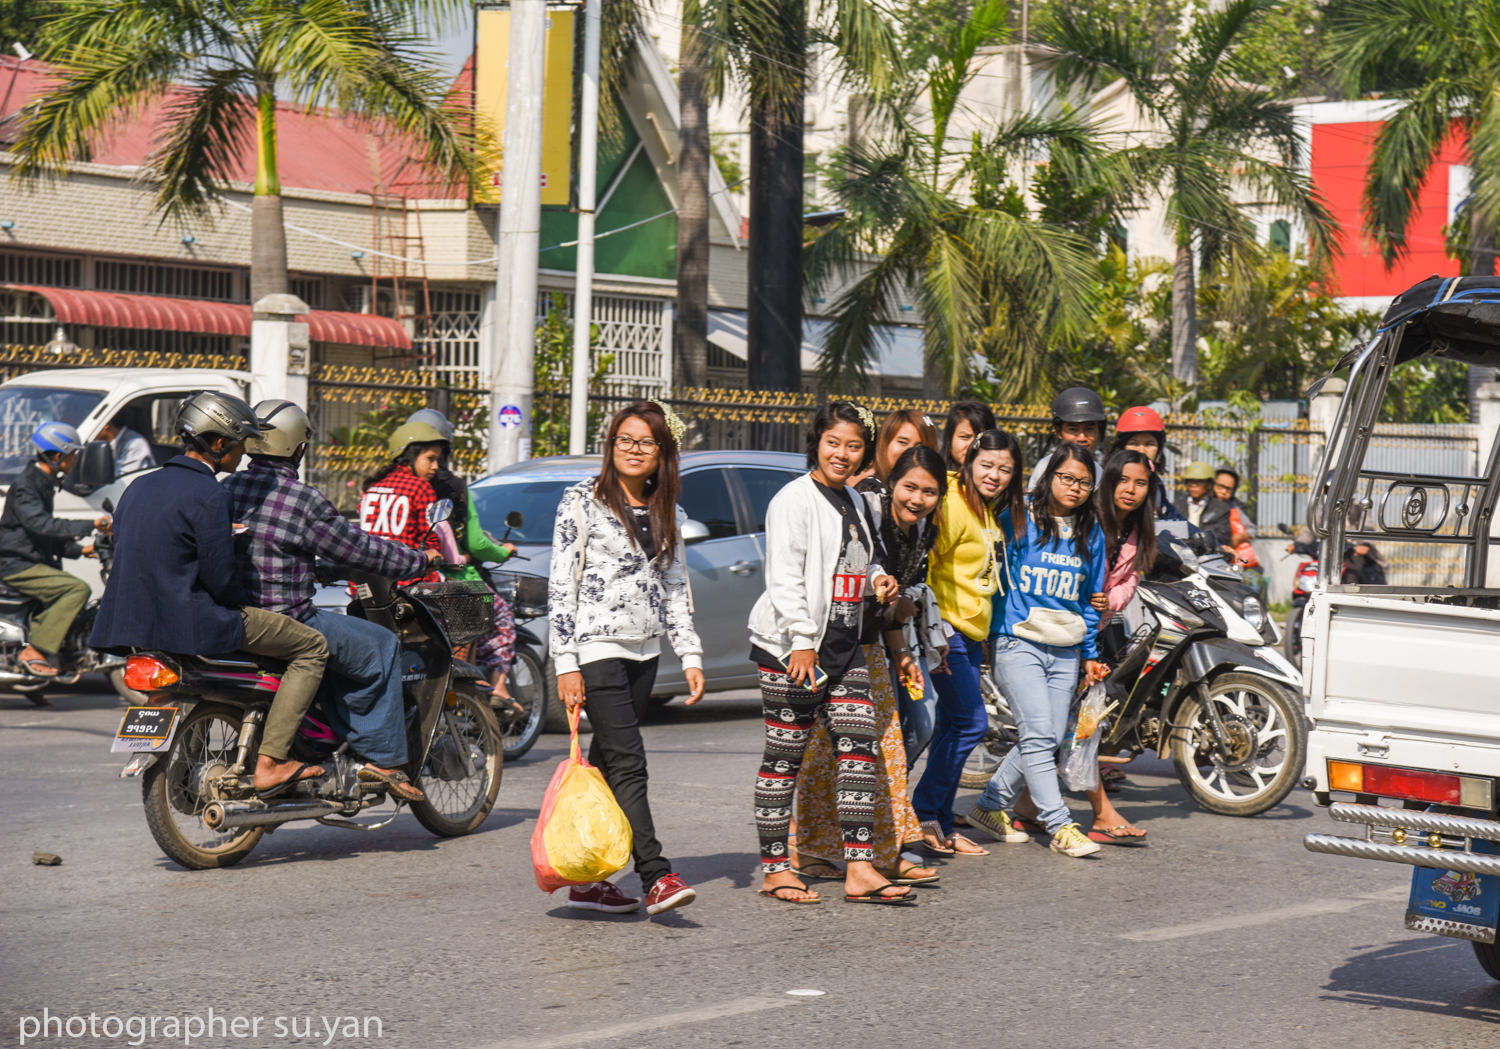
[466,609]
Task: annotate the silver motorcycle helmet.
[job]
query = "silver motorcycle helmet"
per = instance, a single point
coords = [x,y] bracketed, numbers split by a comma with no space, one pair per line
[284,431]
[208,415]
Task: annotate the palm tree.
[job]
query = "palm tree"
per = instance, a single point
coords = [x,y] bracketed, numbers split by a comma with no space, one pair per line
[764,46]
[219,67]
[942,216]
[1217,141]
[693,160]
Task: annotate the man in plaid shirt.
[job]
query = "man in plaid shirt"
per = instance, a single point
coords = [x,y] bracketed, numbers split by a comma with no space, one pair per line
[288,525]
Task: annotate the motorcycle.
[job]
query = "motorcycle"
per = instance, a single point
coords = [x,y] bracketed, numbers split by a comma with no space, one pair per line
[75,658]
[1196,681]
[198,776]
[524,715]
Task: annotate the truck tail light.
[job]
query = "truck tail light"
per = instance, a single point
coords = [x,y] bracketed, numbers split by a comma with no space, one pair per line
[147,673]
[1470,792]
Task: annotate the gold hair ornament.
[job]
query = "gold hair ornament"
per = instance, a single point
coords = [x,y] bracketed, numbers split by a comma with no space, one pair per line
[866,416]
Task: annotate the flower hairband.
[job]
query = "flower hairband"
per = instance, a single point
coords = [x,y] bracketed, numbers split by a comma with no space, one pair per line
[866,416]
[675,426]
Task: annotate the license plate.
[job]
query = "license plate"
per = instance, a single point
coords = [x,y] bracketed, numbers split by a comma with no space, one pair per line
[145,728]
[1455,903]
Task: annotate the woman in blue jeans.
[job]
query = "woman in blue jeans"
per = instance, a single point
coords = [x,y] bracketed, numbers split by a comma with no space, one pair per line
[1044,624]
[964,572]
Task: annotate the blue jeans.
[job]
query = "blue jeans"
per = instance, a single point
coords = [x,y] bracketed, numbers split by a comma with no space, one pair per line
[1039,682]
[961,724]
[918,716]
[362,686]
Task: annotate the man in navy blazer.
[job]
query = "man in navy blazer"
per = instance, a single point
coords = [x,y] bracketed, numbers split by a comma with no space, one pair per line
[173,585]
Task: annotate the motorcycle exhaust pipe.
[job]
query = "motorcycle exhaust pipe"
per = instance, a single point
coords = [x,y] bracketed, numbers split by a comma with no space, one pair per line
[7,678]
[226,815]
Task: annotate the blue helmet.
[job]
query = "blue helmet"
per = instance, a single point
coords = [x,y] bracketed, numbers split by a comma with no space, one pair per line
[58,437]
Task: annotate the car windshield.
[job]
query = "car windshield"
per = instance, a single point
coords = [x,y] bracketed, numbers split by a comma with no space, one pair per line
[537,500]
[24,408]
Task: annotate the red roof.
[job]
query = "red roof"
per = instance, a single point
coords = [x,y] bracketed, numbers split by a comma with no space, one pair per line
[315,149]
[109,309]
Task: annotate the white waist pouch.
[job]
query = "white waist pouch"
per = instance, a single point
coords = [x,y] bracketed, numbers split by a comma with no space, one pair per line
[1052,626]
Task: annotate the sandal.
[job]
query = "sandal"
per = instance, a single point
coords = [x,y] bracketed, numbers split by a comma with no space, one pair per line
[1030,826]
[396,782]
[286,784]
[1110,773]
[974,849]
[934,840]
[902,876]
[31,667]
[1112,836]
[877,895]
[810,871]
[775,894]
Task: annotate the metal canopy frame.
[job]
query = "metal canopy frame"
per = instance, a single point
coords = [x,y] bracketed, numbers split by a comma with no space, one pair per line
[1351,503]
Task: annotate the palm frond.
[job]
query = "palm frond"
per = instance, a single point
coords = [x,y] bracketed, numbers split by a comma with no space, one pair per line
[207,128]
[1401,162]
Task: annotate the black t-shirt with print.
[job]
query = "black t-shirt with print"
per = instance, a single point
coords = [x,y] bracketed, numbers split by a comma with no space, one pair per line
[840,651]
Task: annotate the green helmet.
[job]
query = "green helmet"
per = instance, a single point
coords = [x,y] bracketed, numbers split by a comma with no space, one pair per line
[1198,472]
[418,432]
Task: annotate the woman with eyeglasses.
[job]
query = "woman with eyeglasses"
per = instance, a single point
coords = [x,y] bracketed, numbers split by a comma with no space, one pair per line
[618,583]
[1044,625]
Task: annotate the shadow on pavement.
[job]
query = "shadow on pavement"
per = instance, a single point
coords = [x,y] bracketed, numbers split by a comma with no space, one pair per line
[1431,975]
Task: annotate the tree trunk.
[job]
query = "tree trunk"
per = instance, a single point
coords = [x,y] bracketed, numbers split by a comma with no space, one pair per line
[268,272]
[775,262]
[1481,264]
[1184,317]
[693,160]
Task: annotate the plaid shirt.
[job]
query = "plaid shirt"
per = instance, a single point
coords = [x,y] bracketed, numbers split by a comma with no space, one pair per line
[290,524]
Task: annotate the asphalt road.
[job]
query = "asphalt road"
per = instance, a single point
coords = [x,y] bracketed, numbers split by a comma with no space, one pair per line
[1222,932]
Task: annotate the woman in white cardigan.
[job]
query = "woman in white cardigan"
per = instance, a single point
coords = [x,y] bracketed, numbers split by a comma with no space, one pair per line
[804,632]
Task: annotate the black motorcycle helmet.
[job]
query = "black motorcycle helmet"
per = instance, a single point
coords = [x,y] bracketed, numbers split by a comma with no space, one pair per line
[1077,405]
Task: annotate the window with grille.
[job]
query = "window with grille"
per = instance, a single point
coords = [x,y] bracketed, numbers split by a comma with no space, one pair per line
[146,278]
[16,268]
[309,290]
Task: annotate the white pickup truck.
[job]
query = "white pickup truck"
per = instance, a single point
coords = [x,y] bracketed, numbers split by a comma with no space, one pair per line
[1403,682]
[145,399]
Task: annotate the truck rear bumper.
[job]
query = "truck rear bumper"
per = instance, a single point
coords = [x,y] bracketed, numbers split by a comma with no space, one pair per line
[1444,840]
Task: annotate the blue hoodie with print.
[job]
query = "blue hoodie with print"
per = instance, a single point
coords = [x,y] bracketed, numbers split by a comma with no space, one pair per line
[1046,597]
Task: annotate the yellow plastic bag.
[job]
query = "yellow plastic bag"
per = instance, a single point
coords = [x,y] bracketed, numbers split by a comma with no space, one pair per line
[582,835]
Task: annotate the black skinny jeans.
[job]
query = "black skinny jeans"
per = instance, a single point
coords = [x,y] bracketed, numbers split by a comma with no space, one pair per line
[615,693]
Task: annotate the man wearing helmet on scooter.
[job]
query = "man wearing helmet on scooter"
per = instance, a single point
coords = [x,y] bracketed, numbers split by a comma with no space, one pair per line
[1077,417]
[173,583]
[289,525]
[33,543]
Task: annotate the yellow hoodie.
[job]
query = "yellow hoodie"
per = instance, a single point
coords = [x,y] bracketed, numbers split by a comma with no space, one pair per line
[962,569]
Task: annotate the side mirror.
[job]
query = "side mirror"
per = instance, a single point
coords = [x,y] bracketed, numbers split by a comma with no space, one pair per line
[439,512]
[514,519]
[693,532]
[96,466]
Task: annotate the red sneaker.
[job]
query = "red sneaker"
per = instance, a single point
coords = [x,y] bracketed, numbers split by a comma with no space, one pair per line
[601,896]
[669,891]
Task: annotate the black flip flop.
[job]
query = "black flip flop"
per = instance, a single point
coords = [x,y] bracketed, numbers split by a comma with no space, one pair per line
[29,665]
[775,894]
[876,896]
[285,785]
[1128,841]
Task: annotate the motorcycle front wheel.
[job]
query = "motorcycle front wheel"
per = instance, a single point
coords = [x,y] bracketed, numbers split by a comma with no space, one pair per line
[461,776]
[1267,745]
[175,791]
[1291,643]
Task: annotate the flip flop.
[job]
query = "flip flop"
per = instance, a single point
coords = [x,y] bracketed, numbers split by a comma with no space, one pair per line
[285,785]
[1029,826]
[775,894]
[959,837]
[397,782]
[940,849]
[875,896]
[806,872]
[902,879]
[30,666]
[1106,836]
[1110,774]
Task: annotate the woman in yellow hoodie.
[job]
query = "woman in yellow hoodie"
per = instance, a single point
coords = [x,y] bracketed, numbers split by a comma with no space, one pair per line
[965,572]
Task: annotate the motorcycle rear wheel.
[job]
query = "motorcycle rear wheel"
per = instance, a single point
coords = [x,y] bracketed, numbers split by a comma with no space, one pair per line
[208,737]
[1262,717]
[525,683]
[1291,642]
[457,806]
[1488,955]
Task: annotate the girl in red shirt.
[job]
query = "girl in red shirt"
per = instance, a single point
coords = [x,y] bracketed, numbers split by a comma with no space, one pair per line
[396,498]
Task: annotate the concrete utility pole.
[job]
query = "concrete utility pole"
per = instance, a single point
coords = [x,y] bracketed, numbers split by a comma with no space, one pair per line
[583,294]
[518,238]
[279,347]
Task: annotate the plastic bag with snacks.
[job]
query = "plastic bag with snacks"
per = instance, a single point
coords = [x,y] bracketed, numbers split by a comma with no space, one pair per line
[1078,757]
[582,835]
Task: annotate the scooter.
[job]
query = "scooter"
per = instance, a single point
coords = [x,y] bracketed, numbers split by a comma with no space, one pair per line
[524,715]
[197,741]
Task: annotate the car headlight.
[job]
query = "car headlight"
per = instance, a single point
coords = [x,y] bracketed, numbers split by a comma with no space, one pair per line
[1254,614]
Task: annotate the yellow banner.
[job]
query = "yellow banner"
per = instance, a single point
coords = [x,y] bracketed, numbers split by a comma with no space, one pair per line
[491,57]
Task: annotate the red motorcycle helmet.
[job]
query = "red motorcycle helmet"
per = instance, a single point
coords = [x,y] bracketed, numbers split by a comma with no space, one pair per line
[1140,420]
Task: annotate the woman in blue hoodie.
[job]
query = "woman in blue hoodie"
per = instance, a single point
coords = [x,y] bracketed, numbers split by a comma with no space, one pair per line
[1043,625]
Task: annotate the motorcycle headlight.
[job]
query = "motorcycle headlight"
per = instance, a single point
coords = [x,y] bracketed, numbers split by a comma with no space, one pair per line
[1254,614]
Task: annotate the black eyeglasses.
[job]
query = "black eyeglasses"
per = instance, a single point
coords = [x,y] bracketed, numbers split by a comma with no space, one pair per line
[645,444]
[1069,481]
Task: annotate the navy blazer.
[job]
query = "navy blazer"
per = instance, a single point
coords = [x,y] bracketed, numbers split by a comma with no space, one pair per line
[173,584]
